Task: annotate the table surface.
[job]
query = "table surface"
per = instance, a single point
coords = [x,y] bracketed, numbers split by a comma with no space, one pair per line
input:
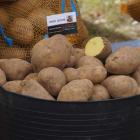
[133,43]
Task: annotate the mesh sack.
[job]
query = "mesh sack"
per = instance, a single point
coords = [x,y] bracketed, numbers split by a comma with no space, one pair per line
[15,51]
[133,7]
[6,0]
[82,32]
[25,22]
[81,45]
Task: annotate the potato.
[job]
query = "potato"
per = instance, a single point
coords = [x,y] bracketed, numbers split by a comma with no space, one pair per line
[21,31]
[31,76]
[139,91]
[88,60]
[51,52]
[106,81]
[34,89]
[123,61]
[136,75]
[78,53]
[138,48]
[14,86]
[15,69]
[94,73]
[52,79]
[99,93]
[122,86]
[77,90]
[39,20]
[1,61]
[71,74]
[2,77]
[98,47]
[71,62]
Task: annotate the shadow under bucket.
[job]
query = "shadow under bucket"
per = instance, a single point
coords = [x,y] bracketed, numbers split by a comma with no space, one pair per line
[27,118]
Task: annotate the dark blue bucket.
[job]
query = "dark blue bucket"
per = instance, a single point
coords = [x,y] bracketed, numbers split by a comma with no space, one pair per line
[27,118]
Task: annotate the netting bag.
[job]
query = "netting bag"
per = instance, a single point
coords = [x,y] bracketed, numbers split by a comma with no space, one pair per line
[66,6]
[81,45]
[6,0]
[25,23]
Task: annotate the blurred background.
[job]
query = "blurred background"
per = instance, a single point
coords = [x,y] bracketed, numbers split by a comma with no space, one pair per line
[105,18]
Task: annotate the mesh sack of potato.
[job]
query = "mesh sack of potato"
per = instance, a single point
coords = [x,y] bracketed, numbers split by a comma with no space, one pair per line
[81,45]
[25,22]
[82,32]
[6,0]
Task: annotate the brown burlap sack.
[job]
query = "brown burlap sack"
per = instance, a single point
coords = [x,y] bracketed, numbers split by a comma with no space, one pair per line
[25,22]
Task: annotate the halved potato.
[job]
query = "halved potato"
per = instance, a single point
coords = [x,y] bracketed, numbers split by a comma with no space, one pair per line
[98,47]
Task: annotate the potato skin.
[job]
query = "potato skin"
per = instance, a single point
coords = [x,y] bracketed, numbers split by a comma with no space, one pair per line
[106,51]
[99,93]
[31,76]
[139,90]
[94,73]
[70,74]
[14,86]
[106,81]
[34,89]
[51,52]
[138,48]
[71,62]
[2,77]
[78,53]
[123,61]
[88,60]
[122,86]
[77,90]
[1,61]
[15,69]
[21,31]
[136,75]
[52,79]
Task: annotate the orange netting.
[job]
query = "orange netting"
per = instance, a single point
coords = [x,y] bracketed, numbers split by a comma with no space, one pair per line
[124,8]
[25,22]
[82,34]
[6,0]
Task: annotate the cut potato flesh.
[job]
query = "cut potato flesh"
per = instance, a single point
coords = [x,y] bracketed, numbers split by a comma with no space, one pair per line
[94,46]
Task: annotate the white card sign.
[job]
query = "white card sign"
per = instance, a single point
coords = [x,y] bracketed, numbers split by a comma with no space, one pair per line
[62,24]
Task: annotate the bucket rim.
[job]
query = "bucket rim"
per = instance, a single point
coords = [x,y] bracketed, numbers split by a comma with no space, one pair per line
[67,102]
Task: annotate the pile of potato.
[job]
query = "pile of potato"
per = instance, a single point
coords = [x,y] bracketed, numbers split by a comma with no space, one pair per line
[59,72]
